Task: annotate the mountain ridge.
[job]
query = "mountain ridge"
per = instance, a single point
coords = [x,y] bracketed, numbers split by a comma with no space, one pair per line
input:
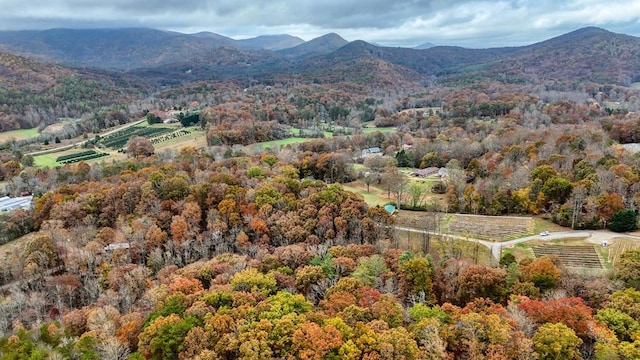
[165,57]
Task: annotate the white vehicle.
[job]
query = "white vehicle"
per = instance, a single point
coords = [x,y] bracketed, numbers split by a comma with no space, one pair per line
[544,233]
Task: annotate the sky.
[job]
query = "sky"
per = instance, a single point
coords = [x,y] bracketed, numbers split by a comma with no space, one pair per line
[468,23]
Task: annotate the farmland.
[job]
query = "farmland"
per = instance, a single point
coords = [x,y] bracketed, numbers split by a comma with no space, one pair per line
[492,228]
[618,247]
[80,156]
[119,139]
[21,134]
[573,256]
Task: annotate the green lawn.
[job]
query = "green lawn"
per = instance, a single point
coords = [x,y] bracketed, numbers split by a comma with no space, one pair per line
[384,130]
[18,134]
[278,143]
[49,160]
[46,160]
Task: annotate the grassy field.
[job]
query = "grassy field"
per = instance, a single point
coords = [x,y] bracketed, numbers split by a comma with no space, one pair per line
[277,143]
[384,130]
[541,225]
[47,160]
[197,138]
[18,134]
[374,197]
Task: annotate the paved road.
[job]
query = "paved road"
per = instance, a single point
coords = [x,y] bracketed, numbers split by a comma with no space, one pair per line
[595,237]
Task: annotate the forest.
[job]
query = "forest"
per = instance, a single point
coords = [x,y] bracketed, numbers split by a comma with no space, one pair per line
[240,250]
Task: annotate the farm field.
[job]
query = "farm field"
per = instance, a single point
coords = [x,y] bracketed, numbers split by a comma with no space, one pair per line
[46,160]
[21,134]
[196,138]
[160,136]
[277,143]
[492,228]
[385,130]
[119,139]
[618,246]
[55,159]
[440,247]
[574,256]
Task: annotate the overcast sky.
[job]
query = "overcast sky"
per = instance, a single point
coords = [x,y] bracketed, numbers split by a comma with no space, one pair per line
[469,23]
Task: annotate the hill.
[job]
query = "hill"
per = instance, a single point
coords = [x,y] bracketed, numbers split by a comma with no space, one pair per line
[588,54]
[127,49]
[426,45]
[119,49]
[324,44]
[269,42]
[35,93]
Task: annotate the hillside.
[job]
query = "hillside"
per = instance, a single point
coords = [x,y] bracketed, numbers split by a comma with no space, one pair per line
[589,54]
[324,44]
[35,93]
[270,42]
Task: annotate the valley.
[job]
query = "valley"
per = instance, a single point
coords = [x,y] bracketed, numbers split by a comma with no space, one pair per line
[200,197]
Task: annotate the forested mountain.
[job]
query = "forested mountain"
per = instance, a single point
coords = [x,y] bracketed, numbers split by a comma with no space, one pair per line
[324,44]
[589,54]
[35,94]
[108,48]
[270,42]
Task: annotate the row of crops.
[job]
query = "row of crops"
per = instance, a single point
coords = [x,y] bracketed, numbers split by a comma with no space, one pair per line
[119,139]
[173,135]
[79,156]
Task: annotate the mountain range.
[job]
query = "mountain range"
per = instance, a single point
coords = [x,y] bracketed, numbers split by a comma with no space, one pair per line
[167,58]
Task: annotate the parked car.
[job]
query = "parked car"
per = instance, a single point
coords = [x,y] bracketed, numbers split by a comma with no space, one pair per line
[544,233]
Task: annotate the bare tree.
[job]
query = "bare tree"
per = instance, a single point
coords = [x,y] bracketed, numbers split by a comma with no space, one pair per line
[112,349]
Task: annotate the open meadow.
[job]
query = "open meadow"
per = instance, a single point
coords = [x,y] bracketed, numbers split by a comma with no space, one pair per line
[21,134]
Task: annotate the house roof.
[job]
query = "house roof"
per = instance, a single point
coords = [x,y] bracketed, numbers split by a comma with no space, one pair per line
[10,204]
[371,150]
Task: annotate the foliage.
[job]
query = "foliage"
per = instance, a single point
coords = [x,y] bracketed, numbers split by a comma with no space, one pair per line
[627,268]
[556,341]
[624,220]
[251,280]
[369,269]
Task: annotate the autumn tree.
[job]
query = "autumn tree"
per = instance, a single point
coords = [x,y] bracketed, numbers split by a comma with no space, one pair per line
[627,268]
[555,341]
[139,146]
[415,278]
[480,281]
[542,272]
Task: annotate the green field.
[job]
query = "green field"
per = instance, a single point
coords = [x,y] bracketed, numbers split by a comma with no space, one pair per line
[384,130]
[18,134]
[374,197]
[46,160]
[278,143]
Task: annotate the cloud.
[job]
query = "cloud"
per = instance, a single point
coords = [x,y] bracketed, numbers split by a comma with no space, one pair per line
[474,23]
